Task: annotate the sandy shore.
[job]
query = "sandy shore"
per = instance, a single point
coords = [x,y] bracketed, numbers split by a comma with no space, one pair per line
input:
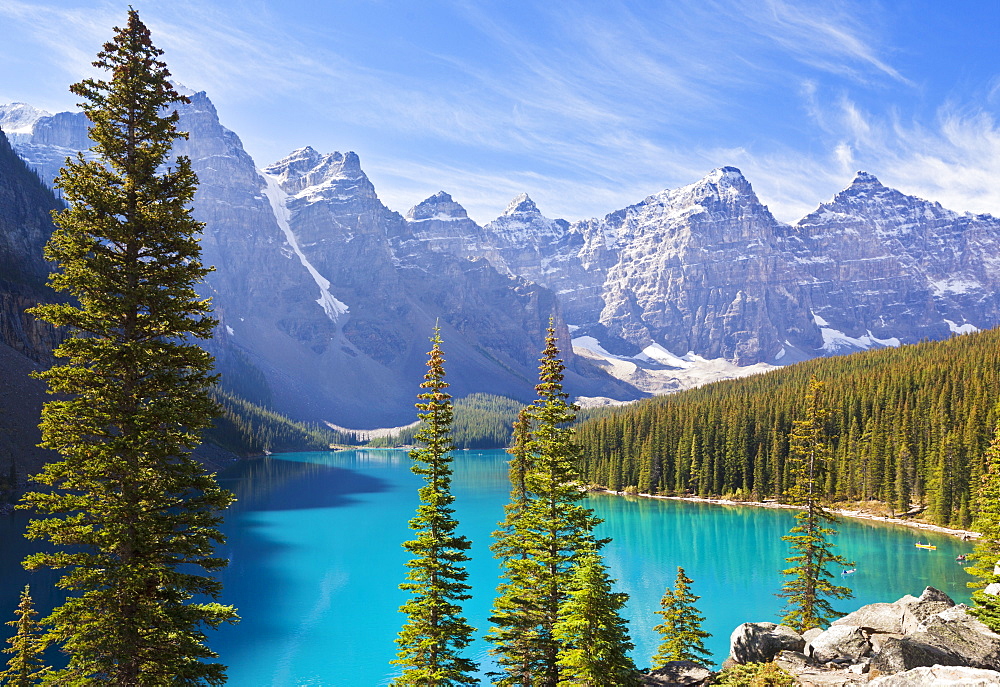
[860,515]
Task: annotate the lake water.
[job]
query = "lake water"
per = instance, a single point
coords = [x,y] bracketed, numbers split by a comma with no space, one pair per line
[316,559]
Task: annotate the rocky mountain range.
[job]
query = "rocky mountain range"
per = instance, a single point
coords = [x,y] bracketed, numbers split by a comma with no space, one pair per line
[326,296]
[706,269]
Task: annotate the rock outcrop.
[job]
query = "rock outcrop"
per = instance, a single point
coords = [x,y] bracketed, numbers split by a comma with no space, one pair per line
[679,673]
[921,640]
[761,642]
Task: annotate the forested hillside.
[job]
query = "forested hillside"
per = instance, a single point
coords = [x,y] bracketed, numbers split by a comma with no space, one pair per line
[246,429]
[481,421]
[908,426]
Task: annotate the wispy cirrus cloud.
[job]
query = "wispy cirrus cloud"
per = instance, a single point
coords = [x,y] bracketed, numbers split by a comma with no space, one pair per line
[587,110]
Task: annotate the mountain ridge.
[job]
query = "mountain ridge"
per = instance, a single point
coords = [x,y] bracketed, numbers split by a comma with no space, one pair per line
[703,271]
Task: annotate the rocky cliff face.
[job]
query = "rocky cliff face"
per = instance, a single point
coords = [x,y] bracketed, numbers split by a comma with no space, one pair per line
[883,265]
[706,269]
[326,297]
[25,343]
[330,295]
[25,226]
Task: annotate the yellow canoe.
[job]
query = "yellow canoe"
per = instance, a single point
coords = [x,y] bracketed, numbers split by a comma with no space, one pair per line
[925,546]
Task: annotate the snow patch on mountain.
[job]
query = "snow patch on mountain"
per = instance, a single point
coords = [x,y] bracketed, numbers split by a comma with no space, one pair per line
[279,204]
[954,285]
[658,371]
[20,118]
[835,341]
[966,328]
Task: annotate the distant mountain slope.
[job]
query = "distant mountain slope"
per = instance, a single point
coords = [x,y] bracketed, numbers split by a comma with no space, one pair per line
[706,269]
[25,343]
[326,296]
[327,293]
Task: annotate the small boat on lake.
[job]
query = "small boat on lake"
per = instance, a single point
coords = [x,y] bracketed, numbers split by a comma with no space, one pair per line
[931,547]
[849,572]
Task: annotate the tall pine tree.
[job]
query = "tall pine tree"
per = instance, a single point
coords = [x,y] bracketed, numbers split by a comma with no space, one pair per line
[552,531]
[435,632]
[809,586]
[985,557]
[133,516]
[683,638]
[515,616]
[25,667]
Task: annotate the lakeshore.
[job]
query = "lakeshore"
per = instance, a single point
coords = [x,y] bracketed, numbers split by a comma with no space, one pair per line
[964,535]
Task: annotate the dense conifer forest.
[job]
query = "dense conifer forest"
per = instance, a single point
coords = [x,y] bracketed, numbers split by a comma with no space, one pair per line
[481,421]
[909,428]
[246,429]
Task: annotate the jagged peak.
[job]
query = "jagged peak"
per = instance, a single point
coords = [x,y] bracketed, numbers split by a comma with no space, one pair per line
[306,159]
[863,178]
[305,168]
[725,176]
[727,183]
[20,118]
[440,206]
[182,89]
[521,204]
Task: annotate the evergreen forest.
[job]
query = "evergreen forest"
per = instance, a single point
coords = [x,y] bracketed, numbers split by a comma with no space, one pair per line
[245,428]
[481,421]
[909,428]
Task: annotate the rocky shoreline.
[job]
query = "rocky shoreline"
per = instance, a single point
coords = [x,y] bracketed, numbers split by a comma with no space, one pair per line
[859,515]
[925,640]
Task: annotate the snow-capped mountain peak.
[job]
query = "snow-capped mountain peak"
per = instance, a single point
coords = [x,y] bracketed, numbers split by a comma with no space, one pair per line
[521,205]
[865,179]
[440,206]
[333,175]
[19,118]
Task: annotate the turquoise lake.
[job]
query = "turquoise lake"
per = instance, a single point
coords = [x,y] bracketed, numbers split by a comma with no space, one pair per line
[314,544]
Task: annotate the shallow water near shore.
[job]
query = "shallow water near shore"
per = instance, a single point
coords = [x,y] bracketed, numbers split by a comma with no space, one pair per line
[314,543]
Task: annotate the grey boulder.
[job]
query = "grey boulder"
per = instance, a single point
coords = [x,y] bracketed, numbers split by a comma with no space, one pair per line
[886,618]
[839,641]
[760,642]
[951,676]
[685,673]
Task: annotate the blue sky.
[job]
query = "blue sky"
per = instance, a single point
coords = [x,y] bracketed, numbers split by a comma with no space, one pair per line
[587,106]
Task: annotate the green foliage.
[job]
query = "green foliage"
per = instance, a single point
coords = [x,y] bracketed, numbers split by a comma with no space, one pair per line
[986,556]
[755,675]
[894,412]
[132,515]
[544,534]
[683,638]
[25,666]
[516,613]
[810,586]
[435,632]
[481,421]
[248,429]
[593,637]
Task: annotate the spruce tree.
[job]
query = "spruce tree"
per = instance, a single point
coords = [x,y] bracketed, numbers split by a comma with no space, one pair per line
[132,516]
[552,531]
[435,632]
[809,586]
[683,638]
[516,615]
[25,667]
[985,557]
[593,637]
